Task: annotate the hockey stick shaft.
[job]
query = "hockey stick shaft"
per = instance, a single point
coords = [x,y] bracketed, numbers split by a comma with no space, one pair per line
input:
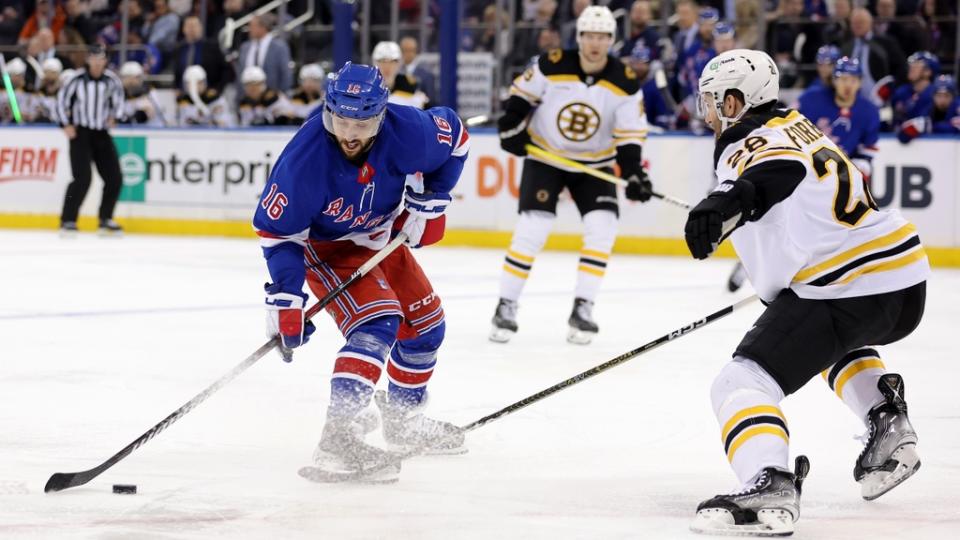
[596,173]
[11,94]
[61,481]
[576,379]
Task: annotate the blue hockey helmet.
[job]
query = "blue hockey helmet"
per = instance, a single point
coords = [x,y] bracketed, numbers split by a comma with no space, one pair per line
[357,91]
[828,54]
[928,58]
[640,53]
[848,66]
[708,14]
[723,29]
[945,83]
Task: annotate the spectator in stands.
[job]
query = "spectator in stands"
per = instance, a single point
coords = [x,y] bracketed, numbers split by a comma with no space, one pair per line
[525,44]
[198,105]
[17,70]
[140,106]
[309,95]
[41,48]
[110,33]
[837,31]
[487,39]
[915,98]
[271,55]
[641,33]
[942,33]
[147,55]
[656,108]
[815,9]
[790,33]
[945,116]
[696,56]
[11,21]
[46,15]
[909,35]
[162,26]
[404,89]
[78,18]
[410,49]
[879,56]
[746,26]
[195,50]
[568,31]
[262,106]
[46,94]
[686,30]
[827,57]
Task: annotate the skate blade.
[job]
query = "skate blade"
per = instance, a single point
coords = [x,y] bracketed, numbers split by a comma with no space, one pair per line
[720,522]
[580,337]
[69,235]
[415,450]
[109,234]
[389,474]
[501,335]
[875,484]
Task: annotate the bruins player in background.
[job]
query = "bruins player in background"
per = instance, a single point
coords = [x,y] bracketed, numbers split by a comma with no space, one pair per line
[404,88]
[838,277]
[582,104]
[199,105]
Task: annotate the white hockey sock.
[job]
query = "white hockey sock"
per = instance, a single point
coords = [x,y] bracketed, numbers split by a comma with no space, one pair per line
[531,233]
[599,233]
[854,380]
[753,429]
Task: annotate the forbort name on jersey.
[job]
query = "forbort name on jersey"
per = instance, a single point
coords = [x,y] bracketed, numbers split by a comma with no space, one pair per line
[803,133]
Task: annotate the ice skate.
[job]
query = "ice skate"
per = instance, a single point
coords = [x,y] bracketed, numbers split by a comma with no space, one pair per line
[737,277]
[406,429]
[68,229]
[109,228]
[504,321]
[343,456]
[582,327]
[768,508]
[890,455]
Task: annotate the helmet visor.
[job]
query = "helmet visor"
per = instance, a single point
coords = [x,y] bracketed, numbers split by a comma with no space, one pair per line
[352,129]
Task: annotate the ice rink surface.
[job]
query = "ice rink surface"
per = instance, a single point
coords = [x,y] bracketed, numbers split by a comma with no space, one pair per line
[102,338]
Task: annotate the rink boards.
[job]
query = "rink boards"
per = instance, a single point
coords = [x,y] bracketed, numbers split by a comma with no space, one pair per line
[206,182]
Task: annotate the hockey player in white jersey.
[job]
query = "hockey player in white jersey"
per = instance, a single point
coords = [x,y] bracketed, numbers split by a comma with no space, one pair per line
[140,106]
[198,105]
[586,106]
[45,97]
[404,88]
[17,70]
[838,277]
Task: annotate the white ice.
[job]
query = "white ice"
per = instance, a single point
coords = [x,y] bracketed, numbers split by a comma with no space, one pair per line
[102,338]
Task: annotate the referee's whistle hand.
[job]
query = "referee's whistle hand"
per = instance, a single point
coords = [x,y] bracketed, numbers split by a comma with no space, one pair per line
[70,131]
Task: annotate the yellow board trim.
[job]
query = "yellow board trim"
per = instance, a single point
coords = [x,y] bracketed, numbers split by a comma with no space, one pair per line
[511,270]
[853,369]
[837,260]
[753,432]
[500,240]
[520,257]
[752,411]
[595,271]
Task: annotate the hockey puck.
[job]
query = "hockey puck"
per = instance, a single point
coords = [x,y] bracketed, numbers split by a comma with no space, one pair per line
[130,489]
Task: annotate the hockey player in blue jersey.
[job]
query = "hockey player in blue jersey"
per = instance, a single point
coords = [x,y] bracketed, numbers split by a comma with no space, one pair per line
[915,99]
[844,115]
[827,57]
[945,116]
[656,108]
[334,197]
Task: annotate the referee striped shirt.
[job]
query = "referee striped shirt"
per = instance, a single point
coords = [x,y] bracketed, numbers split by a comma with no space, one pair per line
[91,103]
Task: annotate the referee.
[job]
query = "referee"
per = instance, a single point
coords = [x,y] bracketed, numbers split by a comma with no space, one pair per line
[87,106]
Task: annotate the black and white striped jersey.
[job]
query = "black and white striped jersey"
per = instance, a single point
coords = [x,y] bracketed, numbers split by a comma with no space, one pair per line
[91,103]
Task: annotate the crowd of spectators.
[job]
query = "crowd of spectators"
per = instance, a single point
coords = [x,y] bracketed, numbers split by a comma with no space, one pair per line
[667,40]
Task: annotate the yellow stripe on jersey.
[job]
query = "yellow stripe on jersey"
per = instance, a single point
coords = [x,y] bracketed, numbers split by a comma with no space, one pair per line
[777,122]
[852,370]
[617,91]
[401,93]
[523,93]
[756,159]
[563,78]
[630,132]
[905,260]
[752,432]
[591,156]
[752,411]
[837,260]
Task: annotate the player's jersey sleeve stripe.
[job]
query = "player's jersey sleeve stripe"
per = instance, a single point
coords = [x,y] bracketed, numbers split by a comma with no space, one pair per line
[837,260]
[616,90]
[463,143]
[517,91]
[269,239]
[765,155]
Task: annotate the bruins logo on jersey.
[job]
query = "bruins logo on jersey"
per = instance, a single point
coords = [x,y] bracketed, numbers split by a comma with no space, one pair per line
[578,121]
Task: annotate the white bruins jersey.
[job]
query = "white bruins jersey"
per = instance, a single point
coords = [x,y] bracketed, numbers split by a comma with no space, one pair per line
[215,111]
[406,91]
[27,104]
[273,108]
[826,239]
[45,100]
[578,116]
[144,99]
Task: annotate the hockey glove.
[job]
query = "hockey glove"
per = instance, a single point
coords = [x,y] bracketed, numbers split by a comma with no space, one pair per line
[639,187]
[732,200]
[513,138]
[911,129]
[285,317]
[423,219]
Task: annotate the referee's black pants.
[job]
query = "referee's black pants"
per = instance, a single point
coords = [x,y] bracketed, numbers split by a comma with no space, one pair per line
[95,145]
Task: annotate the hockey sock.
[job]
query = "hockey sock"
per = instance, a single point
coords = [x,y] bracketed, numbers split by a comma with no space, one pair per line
[753,429]
[531,233]
[854,380]
[599,233]
[411,366]
[358,366]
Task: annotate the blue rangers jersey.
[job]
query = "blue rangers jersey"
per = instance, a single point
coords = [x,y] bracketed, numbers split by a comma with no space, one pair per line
[658,113]
[947,121]
[908,104]
[315,193]
[855,130]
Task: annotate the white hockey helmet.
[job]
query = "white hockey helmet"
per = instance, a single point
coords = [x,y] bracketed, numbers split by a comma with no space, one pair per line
[253,75]
[66,75]
[596,19]
[753,73]
[312,71]
[53,65]
[386,51]
[16,67]
[194,74]
[131,69]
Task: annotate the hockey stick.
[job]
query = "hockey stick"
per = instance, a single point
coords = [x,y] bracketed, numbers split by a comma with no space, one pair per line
[11,94]
[596,173]
[61,481]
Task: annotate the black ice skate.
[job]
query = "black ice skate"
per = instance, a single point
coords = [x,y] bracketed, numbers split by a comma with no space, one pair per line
[582,326]
[504,321]
[737,277]
[890,455]
[406,429]
[343,456]
[109,227]
[768,508]
[68,229]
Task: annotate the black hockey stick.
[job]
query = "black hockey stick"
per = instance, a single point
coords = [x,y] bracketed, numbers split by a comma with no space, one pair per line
[61,481]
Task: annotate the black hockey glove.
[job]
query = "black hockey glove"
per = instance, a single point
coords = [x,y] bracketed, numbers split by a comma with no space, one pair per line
[732,200]
[639,187]
[515,139]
